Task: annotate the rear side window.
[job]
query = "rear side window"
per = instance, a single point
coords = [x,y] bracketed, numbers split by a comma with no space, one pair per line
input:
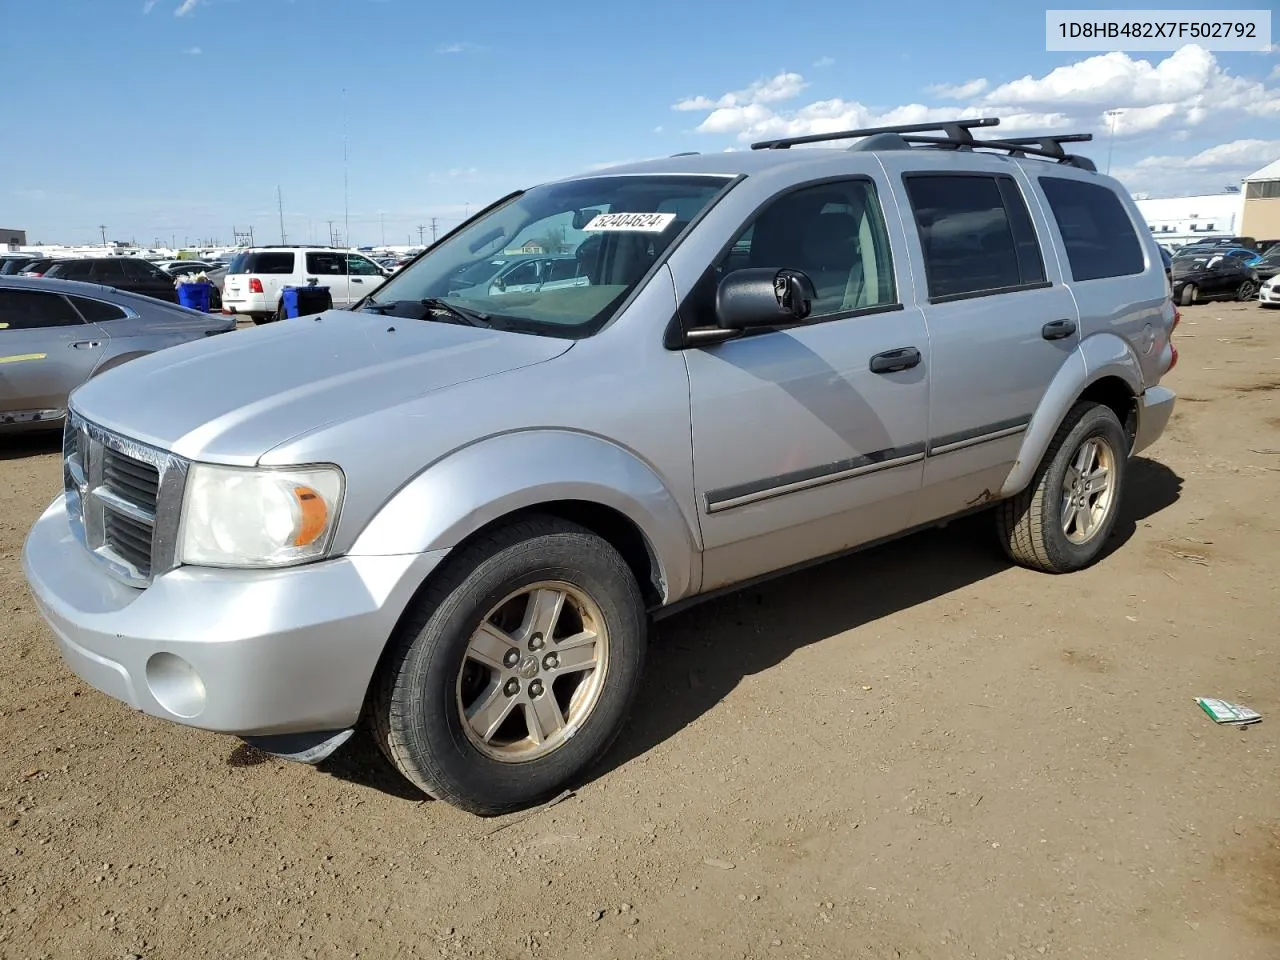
[976,235]
[141,270]
[30,310]
[327,264]
[1096,229]
[75,269]
[95,311]
[107,271]
[266,263]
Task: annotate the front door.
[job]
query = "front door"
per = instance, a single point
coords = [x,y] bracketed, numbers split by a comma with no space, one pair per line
[364,277]
[1001,324]
[46,351]
[810,439]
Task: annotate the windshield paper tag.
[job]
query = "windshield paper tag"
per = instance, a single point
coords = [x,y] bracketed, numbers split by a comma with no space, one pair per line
[642,222]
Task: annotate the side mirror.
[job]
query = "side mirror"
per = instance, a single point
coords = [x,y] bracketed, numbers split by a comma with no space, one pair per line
[763,297]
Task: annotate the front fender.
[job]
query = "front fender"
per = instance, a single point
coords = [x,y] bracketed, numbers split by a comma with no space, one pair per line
[499,475]
[1101,355]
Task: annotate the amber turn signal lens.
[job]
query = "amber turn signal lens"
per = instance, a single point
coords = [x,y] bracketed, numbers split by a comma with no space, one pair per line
[315,516]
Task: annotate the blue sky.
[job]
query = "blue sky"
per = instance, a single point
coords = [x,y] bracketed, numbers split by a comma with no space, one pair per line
[164,118]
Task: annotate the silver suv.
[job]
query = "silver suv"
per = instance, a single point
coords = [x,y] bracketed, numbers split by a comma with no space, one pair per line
[452,516]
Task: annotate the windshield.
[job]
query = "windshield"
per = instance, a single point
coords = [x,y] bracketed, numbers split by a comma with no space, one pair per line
[558,260]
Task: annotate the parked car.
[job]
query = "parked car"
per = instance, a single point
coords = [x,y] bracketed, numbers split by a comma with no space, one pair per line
[524,275]
[1245,255]
[56,334]
[124,273]
[256,278]
[460,511]
[176,268]
[12,265]
[1269,292]
[36,268]
[1212,276]
[1269,265]
[1247,242]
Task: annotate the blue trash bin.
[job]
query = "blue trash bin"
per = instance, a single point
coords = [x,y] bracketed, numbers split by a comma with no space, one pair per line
[195,295]
[290,301]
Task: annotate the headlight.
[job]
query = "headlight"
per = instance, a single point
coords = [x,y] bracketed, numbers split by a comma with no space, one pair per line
[249,517]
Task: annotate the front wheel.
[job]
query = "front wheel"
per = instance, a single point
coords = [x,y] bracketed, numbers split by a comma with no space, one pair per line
[1061,522]
[1188,295]
[1248,290]
[515,671]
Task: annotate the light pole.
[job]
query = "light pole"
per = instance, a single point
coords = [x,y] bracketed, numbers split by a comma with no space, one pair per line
[1112,116]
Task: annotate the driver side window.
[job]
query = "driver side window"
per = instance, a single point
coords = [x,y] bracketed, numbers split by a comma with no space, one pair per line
[833,232]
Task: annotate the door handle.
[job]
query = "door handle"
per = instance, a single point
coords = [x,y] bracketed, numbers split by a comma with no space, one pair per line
[892,361]
[86,344]
[1058,329]
[356,280]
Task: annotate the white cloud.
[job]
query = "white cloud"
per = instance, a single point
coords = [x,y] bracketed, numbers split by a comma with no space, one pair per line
[193,51]
[783,86]
[657,129]
[186,7]
[148,4]
[1275,73]
[958,91]
[1186,92]
[1208,171]
[824,62]
[463,46]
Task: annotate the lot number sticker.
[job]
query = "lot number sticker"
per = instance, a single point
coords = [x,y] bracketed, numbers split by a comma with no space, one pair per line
[641,222]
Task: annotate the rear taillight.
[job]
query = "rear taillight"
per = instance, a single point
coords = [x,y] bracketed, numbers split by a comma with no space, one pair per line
[255,285]
[1177,319]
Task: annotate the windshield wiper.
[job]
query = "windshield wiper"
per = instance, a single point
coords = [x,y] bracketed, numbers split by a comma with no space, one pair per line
[473,317]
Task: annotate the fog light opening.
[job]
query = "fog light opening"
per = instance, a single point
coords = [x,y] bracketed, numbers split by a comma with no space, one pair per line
[175,685]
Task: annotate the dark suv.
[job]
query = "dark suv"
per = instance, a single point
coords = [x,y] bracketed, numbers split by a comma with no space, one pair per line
[123,273]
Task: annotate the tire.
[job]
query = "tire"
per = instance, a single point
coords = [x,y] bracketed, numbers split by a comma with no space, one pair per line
[1248,291]
[430,676]
[1188,295]
[281,313]
[1031,524]
[260,318]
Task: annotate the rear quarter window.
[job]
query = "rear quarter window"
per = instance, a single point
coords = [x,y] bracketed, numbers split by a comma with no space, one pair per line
[272,262]
[1096,230]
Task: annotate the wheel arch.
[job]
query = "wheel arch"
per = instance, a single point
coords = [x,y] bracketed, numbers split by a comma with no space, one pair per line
[1104,370]
[577,477]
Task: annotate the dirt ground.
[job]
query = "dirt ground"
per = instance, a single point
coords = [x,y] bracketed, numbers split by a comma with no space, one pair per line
[916,752]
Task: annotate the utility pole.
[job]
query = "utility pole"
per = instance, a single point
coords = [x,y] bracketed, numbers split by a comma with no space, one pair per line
[1111,139]
[433,229]
[346,206]
[280,208]
[103,228]
[421,230]
[331,243]
[383,223]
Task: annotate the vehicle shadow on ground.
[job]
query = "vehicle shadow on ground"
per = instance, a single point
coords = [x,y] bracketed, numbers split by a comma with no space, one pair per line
[33,444]
[698,657]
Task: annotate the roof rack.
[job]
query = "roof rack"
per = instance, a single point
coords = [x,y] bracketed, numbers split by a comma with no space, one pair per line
[956,136]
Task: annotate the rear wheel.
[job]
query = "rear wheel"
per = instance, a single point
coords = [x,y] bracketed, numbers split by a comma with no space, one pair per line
[1061,522]
[1248,290]
[1188,295]
[515,671]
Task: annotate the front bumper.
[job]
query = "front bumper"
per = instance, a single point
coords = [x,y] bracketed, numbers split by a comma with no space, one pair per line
[246,652]
[1155,407]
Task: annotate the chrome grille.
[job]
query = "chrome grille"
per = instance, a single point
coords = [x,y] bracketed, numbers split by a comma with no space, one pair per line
[123,499]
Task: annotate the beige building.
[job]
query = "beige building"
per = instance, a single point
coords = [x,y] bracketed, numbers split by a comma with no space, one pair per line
[1261,218]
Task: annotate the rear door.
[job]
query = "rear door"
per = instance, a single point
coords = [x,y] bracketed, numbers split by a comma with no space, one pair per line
[330,270]
[1001,325]
[364,277]
[149,280]
[46,350]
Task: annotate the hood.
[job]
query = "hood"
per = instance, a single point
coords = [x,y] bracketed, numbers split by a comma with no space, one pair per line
[231,398]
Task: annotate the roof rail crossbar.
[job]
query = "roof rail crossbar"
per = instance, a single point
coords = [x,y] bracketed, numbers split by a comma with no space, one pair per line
[1048,147]
[955,129]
